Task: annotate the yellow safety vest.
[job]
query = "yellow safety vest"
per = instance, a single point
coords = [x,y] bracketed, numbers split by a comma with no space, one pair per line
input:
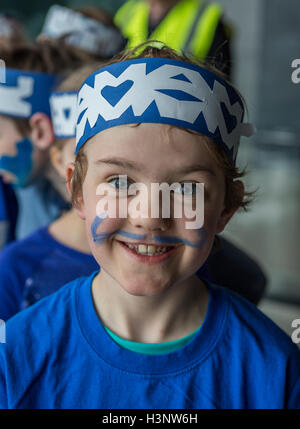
[188,27]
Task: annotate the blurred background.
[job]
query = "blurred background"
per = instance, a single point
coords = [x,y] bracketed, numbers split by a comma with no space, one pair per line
[266,39]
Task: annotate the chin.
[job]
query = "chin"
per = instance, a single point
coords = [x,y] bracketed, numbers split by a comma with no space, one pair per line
[143,288]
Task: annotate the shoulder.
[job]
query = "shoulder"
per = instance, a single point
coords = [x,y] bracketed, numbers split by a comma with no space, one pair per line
[26,247]
[249,328]
[41,327]
[35,340]
[46,315]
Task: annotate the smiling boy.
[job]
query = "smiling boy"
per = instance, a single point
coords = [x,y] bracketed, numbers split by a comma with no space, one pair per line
[145,332]
[163,294]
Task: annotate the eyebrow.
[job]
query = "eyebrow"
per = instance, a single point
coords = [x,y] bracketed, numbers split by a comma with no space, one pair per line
[133,165]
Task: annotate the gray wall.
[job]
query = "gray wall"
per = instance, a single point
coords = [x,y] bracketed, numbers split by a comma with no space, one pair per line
[267,40]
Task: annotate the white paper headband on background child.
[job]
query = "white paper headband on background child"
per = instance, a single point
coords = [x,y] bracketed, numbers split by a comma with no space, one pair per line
[64,113]
[83,32]
[160,90]
[25,93]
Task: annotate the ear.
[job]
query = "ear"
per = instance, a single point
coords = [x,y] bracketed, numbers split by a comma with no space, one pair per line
[79,205]
[227,214]
[42,134]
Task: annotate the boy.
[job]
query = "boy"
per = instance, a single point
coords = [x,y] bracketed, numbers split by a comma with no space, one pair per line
[145,332]
[25,266]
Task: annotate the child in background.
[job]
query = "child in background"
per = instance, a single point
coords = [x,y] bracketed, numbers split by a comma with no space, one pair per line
[11,31]
[144,331]
[32,70]
[85,39]
[38,265]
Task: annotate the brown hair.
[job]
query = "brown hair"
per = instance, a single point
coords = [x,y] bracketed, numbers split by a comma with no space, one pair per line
[155,49]
[98,14]
[46,56]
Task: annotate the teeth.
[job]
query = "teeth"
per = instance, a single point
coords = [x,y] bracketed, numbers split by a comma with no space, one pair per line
[147,250]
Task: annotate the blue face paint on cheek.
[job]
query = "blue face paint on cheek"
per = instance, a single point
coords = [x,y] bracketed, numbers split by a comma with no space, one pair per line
[20,164]
[99,238]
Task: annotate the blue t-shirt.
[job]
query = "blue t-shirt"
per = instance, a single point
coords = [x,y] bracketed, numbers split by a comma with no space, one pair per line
[58,355]
[35,267]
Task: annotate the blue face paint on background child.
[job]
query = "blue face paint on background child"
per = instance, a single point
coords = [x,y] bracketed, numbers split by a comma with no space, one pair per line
[20,165]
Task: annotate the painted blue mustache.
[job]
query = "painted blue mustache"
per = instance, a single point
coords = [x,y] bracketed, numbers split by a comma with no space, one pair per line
[101,237]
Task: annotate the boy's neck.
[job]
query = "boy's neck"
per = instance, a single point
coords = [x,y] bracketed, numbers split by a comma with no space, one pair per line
[167,317]
[70,230]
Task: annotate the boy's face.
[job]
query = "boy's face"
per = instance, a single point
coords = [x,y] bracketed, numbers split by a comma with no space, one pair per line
[151,153]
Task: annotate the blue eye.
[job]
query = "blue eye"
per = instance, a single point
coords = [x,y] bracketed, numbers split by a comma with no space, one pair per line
[120,184]
[187,189]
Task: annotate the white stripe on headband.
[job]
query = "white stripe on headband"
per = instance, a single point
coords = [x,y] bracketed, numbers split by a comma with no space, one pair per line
[159,90]
[83,32]
[64,113]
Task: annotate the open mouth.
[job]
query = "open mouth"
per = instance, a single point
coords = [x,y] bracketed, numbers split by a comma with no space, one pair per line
[148,250]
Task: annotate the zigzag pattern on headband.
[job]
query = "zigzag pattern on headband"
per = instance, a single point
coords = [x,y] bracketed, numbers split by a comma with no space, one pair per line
[158,90]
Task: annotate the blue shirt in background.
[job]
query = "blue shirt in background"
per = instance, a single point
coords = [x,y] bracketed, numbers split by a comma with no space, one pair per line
[58,355]
[35,267]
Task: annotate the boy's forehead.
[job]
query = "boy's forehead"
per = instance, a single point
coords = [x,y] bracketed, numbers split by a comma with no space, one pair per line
[151,144]
[145,134]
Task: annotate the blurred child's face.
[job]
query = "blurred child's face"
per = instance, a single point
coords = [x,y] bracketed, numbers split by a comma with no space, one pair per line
[151,153]
[21,161]
[9,136]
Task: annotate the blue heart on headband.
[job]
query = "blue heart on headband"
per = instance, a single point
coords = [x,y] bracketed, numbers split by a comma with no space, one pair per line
[67,112]
[113,94]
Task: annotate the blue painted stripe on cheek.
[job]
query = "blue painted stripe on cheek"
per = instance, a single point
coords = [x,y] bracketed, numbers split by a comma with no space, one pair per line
[173,240]
[131,235]
[98,238]
[101,237]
